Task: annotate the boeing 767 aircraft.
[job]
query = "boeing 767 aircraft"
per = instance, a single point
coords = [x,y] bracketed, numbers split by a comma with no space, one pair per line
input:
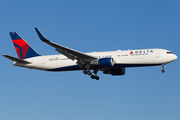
[110,62]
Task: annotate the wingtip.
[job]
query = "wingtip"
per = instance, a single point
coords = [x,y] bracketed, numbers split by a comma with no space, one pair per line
[41,36]
[36,28]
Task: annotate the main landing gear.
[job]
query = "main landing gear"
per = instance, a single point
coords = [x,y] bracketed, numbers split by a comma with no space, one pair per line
[90,74]
[87,72]
[163,66]
[94,77]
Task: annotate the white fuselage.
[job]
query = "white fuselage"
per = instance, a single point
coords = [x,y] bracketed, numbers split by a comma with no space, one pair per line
[124,58]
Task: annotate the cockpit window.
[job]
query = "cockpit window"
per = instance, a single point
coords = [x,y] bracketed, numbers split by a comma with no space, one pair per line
[169,53]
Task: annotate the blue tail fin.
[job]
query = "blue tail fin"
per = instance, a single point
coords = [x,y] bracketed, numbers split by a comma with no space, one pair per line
[23,49]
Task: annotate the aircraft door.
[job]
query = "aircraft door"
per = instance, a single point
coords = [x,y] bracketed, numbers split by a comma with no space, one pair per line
[43,61]
[157,54]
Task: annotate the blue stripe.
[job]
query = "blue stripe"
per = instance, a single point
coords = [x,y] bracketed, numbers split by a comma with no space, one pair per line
[68,68]
[76,67]
[31,53]
[14,36]
[21,55]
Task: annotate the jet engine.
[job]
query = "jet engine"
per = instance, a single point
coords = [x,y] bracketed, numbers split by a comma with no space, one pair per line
[104,62]
[115,71]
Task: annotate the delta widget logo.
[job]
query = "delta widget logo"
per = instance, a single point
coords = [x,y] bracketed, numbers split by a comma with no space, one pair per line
[141,52]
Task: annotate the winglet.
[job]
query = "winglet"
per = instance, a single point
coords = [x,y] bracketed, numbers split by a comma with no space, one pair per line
[41,36]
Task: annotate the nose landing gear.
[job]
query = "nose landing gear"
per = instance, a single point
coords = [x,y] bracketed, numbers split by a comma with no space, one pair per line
[162,70]
[163,66]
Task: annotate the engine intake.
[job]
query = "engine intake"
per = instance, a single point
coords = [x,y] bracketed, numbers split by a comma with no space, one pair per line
[103,62]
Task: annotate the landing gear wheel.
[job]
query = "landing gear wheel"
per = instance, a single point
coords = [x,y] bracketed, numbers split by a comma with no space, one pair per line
[85,72]
[92,76]
[96,77]
[163,66]
[89,73]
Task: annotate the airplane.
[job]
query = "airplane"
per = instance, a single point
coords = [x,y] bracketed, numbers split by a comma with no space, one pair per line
[109,62]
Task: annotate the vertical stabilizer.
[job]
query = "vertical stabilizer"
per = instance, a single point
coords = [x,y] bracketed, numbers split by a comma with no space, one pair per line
[23,49]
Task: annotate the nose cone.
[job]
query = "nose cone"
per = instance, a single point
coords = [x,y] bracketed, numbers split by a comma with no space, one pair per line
[172,57]
[175,57]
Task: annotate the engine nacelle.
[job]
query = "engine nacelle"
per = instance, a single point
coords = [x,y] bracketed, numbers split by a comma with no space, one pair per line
[103,62]
[115,71]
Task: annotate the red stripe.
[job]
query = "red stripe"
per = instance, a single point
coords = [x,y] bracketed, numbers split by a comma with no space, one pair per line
[24,46]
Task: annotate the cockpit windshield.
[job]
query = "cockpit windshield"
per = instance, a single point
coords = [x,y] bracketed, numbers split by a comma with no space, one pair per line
[169,52]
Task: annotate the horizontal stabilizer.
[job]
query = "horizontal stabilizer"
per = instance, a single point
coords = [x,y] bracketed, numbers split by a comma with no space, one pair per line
[16,59]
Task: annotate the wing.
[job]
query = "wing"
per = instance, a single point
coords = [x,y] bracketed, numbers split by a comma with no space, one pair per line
[16,59]
[70,53]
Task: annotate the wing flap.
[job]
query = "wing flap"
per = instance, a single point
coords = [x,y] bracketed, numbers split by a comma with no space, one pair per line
[70,53]
[16,59]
